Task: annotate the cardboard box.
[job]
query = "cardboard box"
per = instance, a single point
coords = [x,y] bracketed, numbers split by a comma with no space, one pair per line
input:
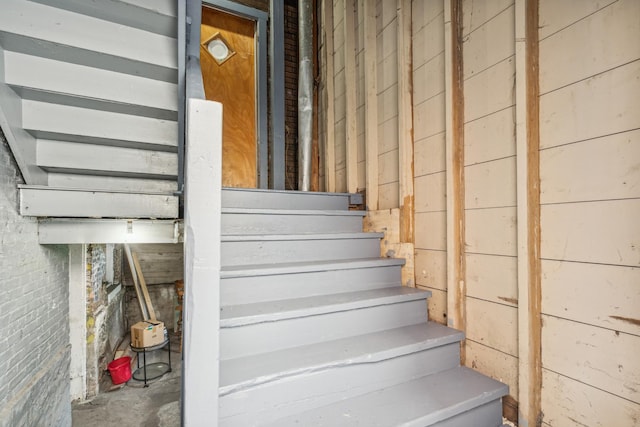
[147,333]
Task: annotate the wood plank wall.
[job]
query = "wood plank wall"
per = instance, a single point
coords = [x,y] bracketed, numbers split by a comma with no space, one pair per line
[429,153]
[490,189]
[340,96]
[590,211]
[584,331]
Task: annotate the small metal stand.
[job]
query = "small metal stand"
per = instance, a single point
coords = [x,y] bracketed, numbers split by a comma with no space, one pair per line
[154,370]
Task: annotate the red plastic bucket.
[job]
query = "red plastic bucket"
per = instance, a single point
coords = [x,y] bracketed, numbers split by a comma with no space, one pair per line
[120,370]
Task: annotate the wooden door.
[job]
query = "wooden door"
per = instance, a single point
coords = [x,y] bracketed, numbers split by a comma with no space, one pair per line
[227,58]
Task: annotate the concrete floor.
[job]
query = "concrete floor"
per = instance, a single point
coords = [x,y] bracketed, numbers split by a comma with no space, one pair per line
[133,405]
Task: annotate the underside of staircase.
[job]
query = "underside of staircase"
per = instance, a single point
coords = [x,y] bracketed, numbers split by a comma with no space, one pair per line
[316,329]
[89,106]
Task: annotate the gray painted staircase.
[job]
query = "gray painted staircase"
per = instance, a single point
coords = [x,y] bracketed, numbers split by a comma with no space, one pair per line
[317,331]
[89,105]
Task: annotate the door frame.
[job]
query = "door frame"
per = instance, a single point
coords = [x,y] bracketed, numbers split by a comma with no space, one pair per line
[261,18]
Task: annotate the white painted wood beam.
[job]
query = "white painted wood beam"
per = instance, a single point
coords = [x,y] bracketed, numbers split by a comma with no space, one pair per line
[351,118]
[330,141]
[371,104]
[203,182]
[60,202]
[67,231]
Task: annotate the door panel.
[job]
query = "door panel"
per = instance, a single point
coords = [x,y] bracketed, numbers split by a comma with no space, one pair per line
[231,80]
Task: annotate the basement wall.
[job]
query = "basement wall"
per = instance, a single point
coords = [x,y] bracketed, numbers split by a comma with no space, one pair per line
[34,304]
[105,321]
[573,304]
[162,265]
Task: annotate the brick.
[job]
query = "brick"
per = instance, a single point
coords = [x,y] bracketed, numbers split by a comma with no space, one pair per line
[34,373]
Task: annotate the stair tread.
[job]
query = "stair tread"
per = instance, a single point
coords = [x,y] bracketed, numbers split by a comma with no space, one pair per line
[301,236]
[325,212]
[420,402]
[248,371]
[307,266]
[271,311]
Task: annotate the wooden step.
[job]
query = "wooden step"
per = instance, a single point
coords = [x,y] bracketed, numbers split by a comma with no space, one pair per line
[90,159]
[74,124]
[272,311]
[458,397]
[274,325]
[64,202]
[51,32]
[155,16]
[277,199]
[112,183]
[305,377]
[247,372]
[268,282]
[267,249]
[272,221]
[73,84]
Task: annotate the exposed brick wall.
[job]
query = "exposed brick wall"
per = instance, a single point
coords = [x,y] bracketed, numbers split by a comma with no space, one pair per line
[34,311]
[105,319]
[291,93]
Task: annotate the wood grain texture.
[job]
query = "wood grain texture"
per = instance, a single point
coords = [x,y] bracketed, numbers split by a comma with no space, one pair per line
[490,43]
[437,304]
[491,184]
[580,50]
[233,84]
[431,268]
[492,278]
[491,231]
[351,129]
[604,232]
[496,364]
[389,222]
[371,103]
[429,155]
[602,358]
[405,122]
[494,325]
[607,296]
[329,95]
[572,403]
[601,105]
[491,137]
[596,169]
[532,286]
[455,212]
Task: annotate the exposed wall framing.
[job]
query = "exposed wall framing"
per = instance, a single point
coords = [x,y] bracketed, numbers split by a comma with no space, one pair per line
[351,134]
[528,169]
[456,280]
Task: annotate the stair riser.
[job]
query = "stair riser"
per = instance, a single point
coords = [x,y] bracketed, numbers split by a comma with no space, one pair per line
[79,81]
[487,415]
[103,160]
[313,390]
[240,223]
[32,21]
[245,290]
[160,20]
[270,336]
[271,251]
[281,200]
[51,121]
